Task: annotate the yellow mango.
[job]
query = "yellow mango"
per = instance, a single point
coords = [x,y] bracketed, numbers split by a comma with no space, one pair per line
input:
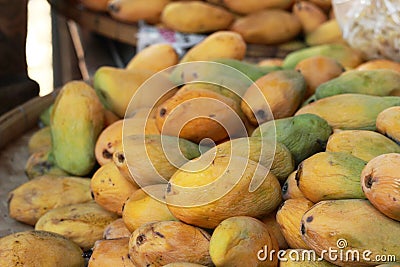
[330,175]
[132,11]
[238,239]
[161,243]
[110,189]
[228,182]
[155,57]
[269,26]
[350,225]
[251,6]
[289,218]
[275,95]
[326,67]
[141,208]
[196,17]
[82,223]
[39,248]
[198,111]
[28,202]
[362,144]
[220,44]
[388,123]
[111,253]
[380,180]
[374,64]
[116,230]
[40,140]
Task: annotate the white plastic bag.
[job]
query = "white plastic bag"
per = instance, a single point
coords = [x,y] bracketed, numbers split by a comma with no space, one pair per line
[371,26]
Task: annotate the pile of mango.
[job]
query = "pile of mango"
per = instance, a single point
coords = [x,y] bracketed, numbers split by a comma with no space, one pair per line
[326,161]
[268,22]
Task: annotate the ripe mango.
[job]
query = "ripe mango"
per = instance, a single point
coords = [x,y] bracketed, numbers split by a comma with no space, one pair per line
[116,230]
[42,163]
[388,123]
[196,17]
[39,248]
[155,57]
[110,139]
[111,253]
[76,122]
[380,63]
[161,243]
[282,92]
[141,208]
[270,154]
[201,110]
[345,55]
[350,111]
[220,44]
[289,218]
[303,135]
[326,67]
[40,140]
[133,11]
[309,15]
[154,159]
[350,224]
[380,181]
[28,202]
[330,175]
[115,87]
[252,6]
[227,181]
[268,26]
[110,189]
[368,82]
[362,144]
[238,239]
[82,223]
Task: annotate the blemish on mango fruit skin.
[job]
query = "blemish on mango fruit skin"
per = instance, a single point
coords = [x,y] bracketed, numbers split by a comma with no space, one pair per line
[369,181]
[140,239]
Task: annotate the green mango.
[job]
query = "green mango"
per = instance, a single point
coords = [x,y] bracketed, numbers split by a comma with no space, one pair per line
[330,175]
[380,82]
[350,111]
[303,135]
[345,55]
[76,121]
